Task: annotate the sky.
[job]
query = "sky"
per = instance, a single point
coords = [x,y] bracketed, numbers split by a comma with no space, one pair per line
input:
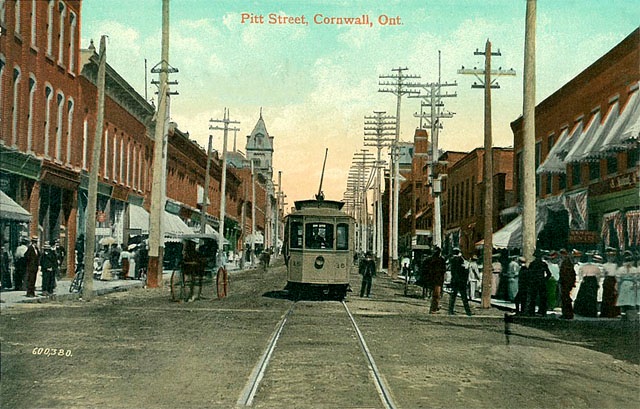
[316,81]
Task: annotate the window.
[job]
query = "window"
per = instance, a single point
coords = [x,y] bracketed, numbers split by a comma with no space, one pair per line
[295,235]
[48,92]
[562,181]
[85,143]
[632,156]
[612,165]
[121,168]
[318,235]
[72,40]
[32,92]
[106,154]
[594,170]
[60,102]
[576,177]
[2,64]
[342,236]
[33,23]
[50,28]
[114,154]
[69,128]
[15,107]
[549,188]
[17,15]
[63,12]
[3,23]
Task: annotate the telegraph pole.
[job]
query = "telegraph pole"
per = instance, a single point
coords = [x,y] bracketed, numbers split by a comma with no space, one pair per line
[223,188]
[399,88]
[379,128]
[156,244]
[361,163]
[433,100]
[487,83]
[529,134]
[92,198]
[253,214]
[277,216]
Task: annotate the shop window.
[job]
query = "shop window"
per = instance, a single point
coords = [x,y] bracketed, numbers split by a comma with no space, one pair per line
[632,157]
[575,174]
[562,181]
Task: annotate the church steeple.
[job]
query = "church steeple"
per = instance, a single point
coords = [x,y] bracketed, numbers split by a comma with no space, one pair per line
[260,148]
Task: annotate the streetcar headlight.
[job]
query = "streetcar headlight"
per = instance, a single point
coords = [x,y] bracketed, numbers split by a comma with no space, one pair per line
[319,263]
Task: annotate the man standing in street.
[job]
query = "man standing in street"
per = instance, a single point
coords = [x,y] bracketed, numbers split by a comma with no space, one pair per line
[539,274]
[20,266]
[459,279]
[32,258]
[367,270]
[437,267]
[567,282]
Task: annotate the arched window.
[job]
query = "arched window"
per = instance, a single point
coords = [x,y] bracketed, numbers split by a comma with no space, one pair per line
[121,167]
[85,143]
[48,92]
[34,23]
[32,92]
[72,39]
[105,143]
[60,103]
[15,108]
[50,28]
[128,166]
[63,13]
[114,154]
[17,14]
[70,106]
[2,65]
[3,22]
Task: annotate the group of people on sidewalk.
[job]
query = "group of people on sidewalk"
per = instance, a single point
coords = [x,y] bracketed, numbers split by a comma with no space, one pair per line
[580,283]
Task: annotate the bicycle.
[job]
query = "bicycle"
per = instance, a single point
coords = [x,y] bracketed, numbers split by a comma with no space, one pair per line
[78,280]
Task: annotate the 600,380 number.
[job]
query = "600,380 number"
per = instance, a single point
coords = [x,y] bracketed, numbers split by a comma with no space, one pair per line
[51,352]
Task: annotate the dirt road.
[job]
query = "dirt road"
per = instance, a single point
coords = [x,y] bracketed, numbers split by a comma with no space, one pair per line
[137,349]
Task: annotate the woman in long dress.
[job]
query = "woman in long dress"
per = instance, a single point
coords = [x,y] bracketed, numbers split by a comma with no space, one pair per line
[628,278]
[586,303]
[608,308]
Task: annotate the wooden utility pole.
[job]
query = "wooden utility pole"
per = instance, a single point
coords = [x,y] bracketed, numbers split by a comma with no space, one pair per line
[253,214]
[205,196]
[399,88]
[487,83]
[529,135]
[92,199]
[223,182]
[156,240]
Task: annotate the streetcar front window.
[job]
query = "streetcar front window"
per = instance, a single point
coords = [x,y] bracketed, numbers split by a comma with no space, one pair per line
[295,235]
[342,236]
[318,236]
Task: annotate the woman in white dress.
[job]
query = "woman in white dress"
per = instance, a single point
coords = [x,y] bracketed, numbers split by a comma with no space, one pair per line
[628,278]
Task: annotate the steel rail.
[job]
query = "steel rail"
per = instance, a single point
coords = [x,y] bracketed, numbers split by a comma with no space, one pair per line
[383,390]
[249,391]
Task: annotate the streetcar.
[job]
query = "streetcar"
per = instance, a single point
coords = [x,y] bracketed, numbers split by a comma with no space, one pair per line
[318,248]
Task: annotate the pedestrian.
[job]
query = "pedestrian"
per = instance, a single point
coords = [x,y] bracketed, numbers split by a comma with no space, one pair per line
[60,258]
[537,294]
[20,266]
[32,258]
[496,270]
[553,289]
[367,271]
[49,266]
[142,261]
[5,271]
[474,277]
[628,282]
[567,283]
[437,268]
[425,277]
[513,270]
[608,308]
[586,303]
[125,255]
[459,279]
[523,286]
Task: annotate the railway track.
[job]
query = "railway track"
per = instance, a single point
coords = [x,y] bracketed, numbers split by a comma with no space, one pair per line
[298,364]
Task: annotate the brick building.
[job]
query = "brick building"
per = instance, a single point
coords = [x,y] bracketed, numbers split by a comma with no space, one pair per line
[587,155]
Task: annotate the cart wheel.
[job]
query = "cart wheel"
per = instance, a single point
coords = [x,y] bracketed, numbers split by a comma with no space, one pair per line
[177,286]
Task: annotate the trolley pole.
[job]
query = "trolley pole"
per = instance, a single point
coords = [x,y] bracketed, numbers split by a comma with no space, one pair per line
[223,183]
[487,83]
[399,87]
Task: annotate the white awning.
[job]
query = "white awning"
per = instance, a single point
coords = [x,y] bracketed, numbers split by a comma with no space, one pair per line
[138,219]
[626,130]
[10,210]
[173,226]
[590,152]
[208,229]
[555,161]
[257,237]
[583,139]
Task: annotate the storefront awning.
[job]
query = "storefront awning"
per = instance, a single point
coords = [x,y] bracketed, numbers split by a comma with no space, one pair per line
[209,230]
[592,145]
[626,130]
[257,237]
[138,219]
[555,163]
[10,210]
[583,139]
[174,227]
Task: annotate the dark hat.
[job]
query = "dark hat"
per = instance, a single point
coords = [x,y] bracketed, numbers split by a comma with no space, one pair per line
[563,252]
[610,250]
[53,242]
[368,254]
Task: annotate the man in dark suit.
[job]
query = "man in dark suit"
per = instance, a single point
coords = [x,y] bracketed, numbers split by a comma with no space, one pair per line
[32,258]
[367,270]
[459,279]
